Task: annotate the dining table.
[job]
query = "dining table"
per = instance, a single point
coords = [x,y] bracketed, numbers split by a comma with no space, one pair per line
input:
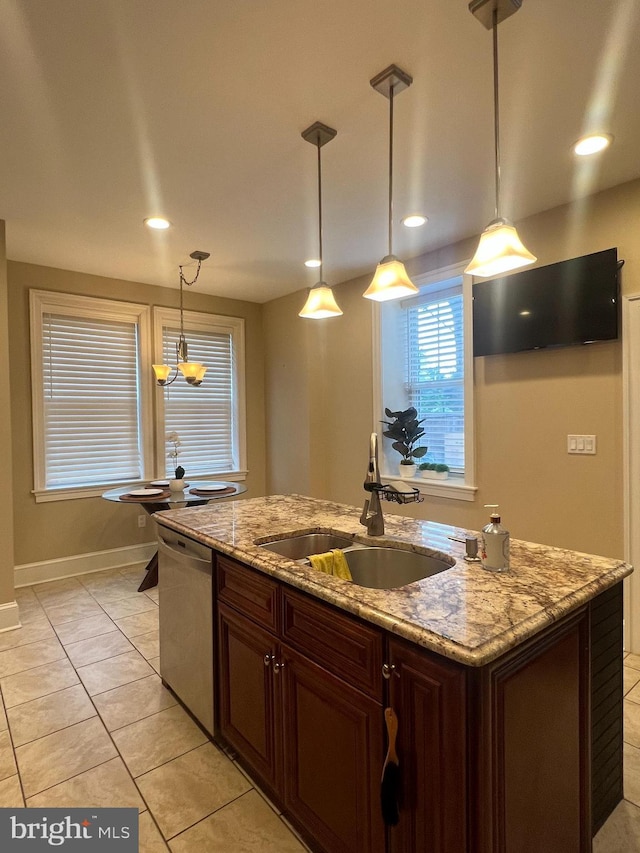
[157,496]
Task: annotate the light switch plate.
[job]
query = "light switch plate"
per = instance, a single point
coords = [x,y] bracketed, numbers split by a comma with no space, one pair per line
[581,444]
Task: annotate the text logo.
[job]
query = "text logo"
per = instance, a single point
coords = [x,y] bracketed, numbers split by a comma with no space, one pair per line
[74,830]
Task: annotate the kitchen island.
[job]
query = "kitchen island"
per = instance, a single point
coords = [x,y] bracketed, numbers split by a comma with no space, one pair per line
[507,687]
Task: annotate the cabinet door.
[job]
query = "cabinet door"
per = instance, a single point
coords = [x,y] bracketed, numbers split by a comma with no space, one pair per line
[535,780]
[333,757]
[428,696]
[249,705]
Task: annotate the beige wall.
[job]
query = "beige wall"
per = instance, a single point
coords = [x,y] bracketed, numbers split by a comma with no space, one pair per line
[47,531]
[320,407]
[313,408]
[6,439]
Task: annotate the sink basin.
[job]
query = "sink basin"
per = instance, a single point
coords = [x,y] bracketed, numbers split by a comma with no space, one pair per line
[373,566]
[387,568]
[299,547]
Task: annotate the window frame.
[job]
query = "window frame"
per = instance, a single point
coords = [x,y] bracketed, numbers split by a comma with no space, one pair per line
[216,324]
[51,302]
[386,362]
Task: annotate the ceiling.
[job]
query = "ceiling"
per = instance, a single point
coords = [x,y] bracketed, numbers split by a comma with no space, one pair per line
[115,110]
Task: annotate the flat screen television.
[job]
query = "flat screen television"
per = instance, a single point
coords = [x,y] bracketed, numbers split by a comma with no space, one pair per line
[571,302]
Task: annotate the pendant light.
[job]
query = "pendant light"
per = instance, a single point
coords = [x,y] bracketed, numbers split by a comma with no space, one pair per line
[192,371]
[390,280]
[500,248]
[320,302]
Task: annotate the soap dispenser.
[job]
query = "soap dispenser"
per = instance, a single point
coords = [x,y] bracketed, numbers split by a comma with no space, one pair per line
[494,547]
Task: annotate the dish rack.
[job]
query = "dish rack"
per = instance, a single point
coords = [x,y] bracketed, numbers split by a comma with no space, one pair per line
[390,493]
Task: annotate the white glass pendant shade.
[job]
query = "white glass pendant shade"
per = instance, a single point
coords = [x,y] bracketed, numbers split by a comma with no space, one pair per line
[190,370]
[390,281]
[499,250]
[161,371]
[320,303]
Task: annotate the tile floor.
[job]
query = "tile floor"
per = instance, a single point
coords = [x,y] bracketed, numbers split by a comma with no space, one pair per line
[85,721]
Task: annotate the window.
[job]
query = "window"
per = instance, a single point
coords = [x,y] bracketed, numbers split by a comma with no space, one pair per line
[435,371]
[98,418]
[426,362]
[209,419]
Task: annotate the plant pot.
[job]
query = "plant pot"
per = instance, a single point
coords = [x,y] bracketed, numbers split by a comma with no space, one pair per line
[434,475]
[176,485]
[407,472]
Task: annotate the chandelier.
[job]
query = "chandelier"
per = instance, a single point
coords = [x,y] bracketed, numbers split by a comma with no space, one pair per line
[192,371]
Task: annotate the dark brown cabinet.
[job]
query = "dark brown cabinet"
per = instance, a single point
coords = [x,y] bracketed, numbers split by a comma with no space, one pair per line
[530,730]
[249,707]
[313,739]
[493,759]
[428,695]
[333,757]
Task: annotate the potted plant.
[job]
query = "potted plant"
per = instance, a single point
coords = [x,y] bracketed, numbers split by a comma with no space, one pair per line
[434,470]
[405,431]
[177,484]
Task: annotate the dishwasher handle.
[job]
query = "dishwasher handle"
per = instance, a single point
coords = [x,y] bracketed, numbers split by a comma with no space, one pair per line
[182,556]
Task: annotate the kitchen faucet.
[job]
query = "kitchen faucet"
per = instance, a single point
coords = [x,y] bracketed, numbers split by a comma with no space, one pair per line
[372,517]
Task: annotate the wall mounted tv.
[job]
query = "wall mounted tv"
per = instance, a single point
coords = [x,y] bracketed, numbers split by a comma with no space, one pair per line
[572,302]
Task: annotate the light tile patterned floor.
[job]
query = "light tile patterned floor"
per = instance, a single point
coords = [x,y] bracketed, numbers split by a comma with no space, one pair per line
[85,721]
[621,833]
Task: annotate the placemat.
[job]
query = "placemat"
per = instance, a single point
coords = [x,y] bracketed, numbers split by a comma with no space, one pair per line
[230,490]
[154,499]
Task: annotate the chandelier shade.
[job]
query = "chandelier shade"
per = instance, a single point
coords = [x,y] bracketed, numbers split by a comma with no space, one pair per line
[321,303]
[500,250]
[390,281]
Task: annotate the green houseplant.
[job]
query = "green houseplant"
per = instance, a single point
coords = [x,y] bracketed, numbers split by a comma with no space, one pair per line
[405,432]
[434,470]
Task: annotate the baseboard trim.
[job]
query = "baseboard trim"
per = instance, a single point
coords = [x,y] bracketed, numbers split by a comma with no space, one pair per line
[9,616]
[82,564]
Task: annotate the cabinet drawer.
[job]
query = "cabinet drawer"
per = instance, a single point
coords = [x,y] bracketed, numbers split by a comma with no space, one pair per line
[248,591]
[335,641]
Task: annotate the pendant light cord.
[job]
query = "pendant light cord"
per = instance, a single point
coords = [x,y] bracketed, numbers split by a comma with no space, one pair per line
[181,311]
[390,252]
[496,110]
[320,206]
[181,346]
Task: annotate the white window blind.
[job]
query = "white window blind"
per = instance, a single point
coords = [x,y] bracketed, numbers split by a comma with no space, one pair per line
[202,416]
[435,372]
[90,401]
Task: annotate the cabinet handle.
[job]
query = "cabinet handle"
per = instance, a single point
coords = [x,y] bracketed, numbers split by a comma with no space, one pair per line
[268,658]
[277,667]
[389,669]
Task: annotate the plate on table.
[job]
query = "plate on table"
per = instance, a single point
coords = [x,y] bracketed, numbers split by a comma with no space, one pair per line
[145,493]
[164,483]
[217,487]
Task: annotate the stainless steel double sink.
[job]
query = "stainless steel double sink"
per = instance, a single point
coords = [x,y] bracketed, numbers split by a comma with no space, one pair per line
[378,567]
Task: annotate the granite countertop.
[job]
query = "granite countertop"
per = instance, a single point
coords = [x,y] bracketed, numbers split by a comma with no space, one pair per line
[465,613]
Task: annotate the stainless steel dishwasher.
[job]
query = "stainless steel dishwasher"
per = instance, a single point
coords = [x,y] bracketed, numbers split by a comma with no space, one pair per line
[186,622]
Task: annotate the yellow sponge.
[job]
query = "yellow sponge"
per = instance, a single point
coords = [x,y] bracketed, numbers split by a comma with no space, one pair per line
[332,563]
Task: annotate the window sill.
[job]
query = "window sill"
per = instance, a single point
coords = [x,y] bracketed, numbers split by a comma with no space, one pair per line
[68,494]
[453,488]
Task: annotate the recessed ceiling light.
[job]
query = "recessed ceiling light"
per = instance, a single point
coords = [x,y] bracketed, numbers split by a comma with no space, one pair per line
[158,223]
[312,262]
[592,144]
[415,220]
